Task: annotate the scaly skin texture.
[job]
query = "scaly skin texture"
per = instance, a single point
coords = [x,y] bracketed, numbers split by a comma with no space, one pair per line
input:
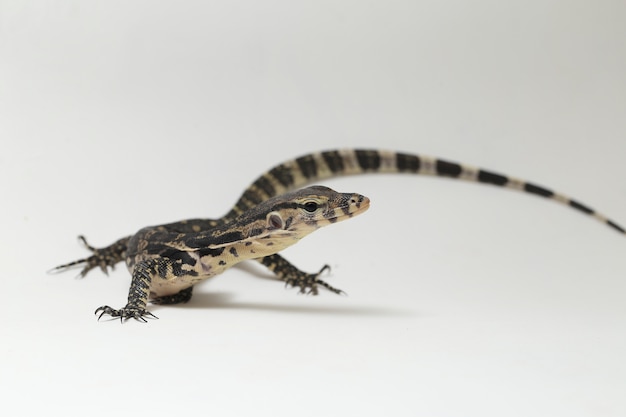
[166,261]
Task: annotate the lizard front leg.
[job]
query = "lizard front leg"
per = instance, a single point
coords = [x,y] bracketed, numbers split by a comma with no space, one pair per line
[143,272]
[104,258]
[294,277]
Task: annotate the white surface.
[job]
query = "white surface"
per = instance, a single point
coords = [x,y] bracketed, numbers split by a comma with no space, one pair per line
[464,300]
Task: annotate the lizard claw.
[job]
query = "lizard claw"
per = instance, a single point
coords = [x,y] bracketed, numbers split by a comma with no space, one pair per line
[125,313]
[309,283]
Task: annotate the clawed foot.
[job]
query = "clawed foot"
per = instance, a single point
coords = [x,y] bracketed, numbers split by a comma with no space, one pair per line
[125,313]
[103,258]
[309,283]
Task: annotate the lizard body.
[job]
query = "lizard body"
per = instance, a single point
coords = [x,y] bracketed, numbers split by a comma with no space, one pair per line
[166,261]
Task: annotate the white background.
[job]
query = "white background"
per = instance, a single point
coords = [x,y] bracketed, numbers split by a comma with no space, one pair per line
[464,300]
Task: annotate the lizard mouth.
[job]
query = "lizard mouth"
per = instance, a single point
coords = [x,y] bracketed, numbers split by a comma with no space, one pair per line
[354,205]
[360,204]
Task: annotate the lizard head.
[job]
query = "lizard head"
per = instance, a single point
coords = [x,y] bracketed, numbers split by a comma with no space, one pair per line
[281,221]
[308,209]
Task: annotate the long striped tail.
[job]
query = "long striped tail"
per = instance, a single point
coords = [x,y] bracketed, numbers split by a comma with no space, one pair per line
[318,166]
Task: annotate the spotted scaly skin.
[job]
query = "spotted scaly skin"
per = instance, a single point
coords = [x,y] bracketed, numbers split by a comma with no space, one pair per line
[166,261]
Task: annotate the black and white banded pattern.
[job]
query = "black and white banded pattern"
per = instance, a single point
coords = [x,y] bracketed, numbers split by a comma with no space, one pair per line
[318,166]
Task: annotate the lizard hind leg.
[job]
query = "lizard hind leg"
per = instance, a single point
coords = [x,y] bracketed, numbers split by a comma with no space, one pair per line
[104,258]
[182,296]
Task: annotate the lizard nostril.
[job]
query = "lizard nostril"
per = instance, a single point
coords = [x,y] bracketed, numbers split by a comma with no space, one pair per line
[357,199]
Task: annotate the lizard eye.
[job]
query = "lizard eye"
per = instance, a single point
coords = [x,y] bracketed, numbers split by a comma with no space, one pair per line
[310,206]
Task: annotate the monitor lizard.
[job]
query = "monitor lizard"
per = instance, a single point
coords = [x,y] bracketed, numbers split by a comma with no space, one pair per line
[166,261]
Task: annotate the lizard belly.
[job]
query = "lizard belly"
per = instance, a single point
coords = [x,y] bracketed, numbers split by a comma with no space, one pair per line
[160,287]
[192,267]
[187,274]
